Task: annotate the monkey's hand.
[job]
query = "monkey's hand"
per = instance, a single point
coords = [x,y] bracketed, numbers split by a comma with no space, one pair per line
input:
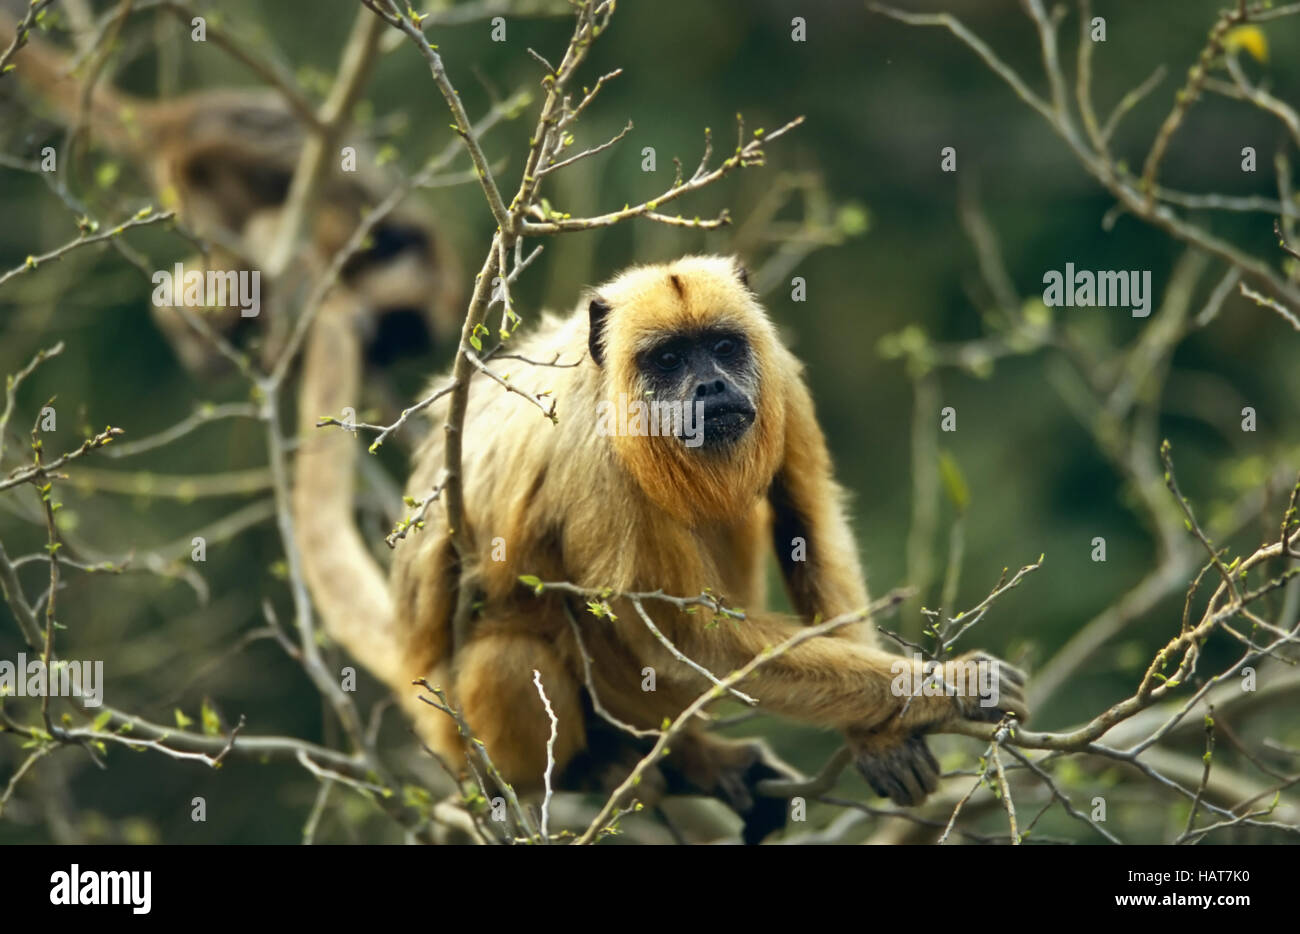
[894,757]
[1000,688]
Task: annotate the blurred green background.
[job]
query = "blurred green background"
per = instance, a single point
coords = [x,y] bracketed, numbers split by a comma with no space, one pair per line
[881,100]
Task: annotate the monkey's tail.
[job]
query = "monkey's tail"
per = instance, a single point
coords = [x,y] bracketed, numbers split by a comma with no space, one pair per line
[345,581]
[45,71]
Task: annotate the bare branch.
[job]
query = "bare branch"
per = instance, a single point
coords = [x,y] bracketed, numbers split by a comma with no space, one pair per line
[142,218]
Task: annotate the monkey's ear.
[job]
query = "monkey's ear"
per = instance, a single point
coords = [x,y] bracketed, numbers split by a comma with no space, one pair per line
[741,272]
[597,311]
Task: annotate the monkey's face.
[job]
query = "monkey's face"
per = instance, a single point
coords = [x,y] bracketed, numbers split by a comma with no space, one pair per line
[692,390]
[709,377]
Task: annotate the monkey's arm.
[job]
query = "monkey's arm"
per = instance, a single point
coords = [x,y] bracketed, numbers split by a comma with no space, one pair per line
[879,700]
[810,533]
[845,684]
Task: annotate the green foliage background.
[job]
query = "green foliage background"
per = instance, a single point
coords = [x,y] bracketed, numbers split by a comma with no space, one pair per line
[881,100]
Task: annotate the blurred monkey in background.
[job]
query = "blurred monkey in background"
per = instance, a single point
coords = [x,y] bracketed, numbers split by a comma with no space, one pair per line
[224,160]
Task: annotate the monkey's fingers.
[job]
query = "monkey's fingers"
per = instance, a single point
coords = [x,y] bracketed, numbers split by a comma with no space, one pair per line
[905,773]
[1006,671]
[1005,694]
[1008,699]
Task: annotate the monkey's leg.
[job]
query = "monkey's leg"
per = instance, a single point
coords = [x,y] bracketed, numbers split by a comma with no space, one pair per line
[697,764]
[495,690]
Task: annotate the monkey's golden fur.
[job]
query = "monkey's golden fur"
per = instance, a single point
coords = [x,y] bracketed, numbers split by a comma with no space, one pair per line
[631,514]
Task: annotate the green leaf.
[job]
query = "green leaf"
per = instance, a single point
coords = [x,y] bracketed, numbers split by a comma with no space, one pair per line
[954,484]
[211,722]
[106,174]
[853,219]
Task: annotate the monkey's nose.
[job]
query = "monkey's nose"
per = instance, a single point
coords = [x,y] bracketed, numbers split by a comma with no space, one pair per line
[716,387]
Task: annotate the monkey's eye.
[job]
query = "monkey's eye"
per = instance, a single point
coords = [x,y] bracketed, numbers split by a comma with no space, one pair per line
[724,348]
[667,360]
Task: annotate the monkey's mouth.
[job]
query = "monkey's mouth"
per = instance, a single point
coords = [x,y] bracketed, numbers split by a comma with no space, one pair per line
[726,423]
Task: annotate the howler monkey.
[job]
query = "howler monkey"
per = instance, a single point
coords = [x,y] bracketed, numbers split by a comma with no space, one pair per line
[601,502]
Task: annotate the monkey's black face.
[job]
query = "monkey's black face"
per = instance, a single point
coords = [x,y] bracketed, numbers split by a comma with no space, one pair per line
[709,376]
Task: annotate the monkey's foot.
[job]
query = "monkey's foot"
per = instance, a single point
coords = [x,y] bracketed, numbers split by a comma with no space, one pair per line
[902,770]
